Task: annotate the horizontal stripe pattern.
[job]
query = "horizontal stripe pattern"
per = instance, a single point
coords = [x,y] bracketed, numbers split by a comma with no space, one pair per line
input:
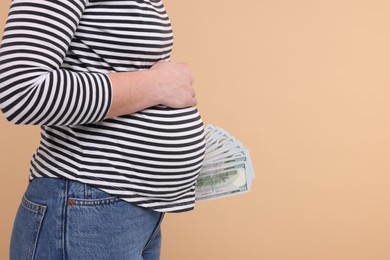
[54,58]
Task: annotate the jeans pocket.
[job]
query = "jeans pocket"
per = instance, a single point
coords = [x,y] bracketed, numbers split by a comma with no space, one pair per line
[26,230]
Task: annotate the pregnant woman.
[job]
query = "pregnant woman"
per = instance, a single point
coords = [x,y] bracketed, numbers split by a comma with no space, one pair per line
[121,140]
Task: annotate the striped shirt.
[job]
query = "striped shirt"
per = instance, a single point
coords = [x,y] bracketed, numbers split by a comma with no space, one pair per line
[54,60]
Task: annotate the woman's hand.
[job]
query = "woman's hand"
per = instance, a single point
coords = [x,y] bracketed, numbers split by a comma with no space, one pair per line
[165,83]
[174,86]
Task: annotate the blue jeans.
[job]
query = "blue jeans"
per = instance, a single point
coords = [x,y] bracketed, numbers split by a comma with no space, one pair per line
[69,220]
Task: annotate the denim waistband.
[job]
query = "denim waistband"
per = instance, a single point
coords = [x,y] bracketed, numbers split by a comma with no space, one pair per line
[43,187]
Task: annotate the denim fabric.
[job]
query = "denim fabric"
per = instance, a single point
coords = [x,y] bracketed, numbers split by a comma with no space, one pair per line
[68,220]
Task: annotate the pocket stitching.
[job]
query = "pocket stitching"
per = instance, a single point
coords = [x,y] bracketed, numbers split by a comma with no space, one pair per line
[92,202]
[34,207]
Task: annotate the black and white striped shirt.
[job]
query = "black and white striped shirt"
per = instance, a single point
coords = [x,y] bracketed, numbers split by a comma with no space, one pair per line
[54,58]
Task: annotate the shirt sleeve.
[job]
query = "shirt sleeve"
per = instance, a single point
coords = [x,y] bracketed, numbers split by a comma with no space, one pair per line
[34,89]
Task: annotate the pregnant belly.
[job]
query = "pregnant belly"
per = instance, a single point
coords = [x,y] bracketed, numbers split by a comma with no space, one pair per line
[158,142]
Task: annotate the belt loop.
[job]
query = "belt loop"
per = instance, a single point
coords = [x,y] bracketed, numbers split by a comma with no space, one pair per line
[88,191]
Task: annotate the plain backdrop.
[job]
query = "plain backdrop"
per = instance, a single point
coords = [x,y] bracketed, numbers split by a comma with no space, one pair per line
[305,85]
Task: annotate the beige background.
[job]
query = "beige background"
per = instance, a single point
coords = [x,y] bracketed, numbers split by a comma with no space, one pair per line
[305,85]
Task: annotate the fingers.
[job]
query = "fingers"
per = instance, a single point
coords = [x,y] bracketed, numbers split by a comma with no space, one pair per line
[193,101]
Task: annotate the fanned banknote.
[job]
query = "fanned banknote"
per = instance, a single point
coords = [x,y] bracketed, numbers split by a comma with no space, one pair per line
[227,169]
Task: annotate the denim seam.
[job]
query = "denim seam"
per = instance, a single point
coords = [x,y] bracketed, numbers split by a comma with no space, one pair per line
[64,220]
[38,230]
[155,232]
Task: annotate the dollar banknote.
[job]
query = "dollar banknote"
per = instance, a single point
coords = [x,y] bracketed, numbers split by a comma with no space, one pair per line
[227,169]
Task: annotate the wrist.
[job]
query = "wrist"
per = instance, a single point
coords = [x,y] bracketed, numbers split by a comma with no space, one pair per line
[154,87]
